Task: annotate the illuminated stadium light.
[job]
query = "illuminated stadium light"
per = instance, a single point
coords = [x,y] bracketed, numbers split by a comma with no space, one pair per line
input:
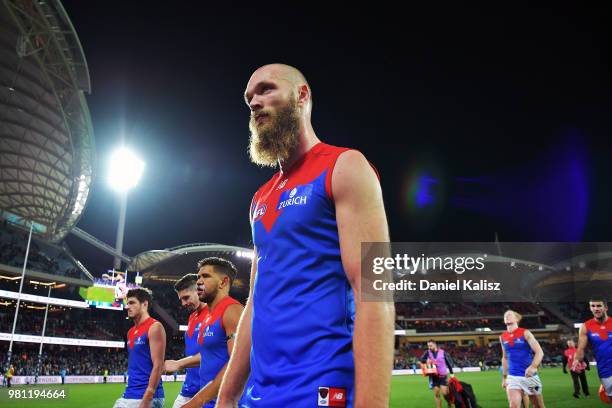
[43,283]
[244,254]
[13,278]
[125,170]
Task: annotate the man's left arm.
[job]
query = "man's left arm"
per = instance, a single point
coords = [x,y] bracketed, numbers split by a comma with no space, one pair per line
[360,216]
[157,344]
[231,317]
[537,356]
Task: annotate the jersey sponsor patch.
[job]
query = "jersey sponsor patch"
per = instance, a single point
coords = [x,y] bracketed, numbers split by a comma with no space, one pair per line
[331,397]
[299,195]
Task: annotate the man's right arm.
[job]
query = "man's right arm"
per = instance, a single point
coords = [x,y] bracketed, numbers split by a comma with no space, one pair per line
[239,365]
[582,343]
[171,366]
[504,364]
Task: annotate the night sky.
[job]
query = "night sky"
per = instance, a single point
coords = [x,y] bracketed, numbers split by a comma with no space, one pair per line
[480,121]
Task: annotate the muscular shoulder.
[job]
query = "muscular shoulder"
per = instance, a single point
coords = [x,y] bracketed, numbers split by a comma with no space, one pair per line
[232,316]
[353,170]
[156,328]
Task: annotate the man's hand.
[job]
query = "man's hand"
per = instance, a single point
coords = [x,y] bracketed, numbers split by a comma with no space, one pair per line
[575,364]
[192,403]
[171,366]
[147,398]
[145,403]
[504,383]
[530,371]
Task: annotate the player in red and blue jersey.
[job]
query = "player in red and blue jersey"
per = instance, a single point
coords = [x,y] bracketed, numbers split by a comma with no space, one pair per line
[188,295]
[306,339]
[146,344]
[215,336]
[598,333]
[521,356]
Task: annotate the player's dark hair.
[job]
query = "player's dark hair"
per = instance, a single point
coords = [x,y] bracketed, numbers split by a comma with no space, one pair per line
[141,294]
[432,341]
[220,265]
[598,299]
[186,282]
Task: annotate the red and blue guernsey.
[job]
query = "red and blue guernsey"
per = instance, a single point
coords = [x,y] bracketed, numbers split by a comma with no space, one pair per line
[191,386]
[303,306]
[139,362]
[600,337]
[212,344]
[518,351]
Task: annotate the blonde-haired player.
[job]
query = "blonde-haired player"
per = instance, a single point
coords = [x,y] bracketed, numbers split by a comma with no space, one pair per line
[521,356]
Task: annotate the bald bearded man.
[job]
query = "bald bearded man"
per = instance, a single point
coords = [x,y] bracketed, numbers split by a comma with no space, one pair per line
[305,339]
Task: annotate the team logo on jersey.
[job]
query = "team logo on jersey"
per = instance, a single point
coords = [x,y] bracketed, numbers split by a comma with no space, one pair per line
[139,340]
[297,196]
[259,212]
[331,397]
[282,184]
[323,397]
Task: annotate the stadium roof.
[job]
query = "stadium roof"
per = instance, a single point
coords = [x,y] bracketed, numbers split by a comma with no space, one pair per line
[177,261]
[47,150]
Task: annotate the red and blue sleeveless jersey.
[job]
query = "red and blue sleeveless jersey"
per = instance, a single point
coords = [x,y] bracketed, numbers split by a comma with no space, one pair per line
[139,362]
[191,386]
[518,351]
[212,343]
[303,305]
[600,337]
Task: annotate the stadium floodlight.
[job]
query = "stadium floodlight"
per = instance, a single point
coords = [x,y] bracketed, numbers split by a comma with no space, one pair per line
[125,170]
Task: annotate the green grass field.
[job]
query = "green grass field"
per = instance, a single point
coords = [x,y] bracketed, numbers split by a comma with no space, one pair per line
[407,391]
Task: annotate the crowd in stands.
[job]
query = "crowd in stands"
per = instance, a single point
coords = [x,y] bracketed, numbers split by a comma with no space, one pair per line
[454,309]
[577,311]
[465,324]
[431,317]
[76,323]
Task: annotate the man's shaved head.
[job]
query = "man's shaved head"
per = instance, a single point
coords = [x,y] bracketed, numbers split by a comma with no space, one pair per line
[286,72]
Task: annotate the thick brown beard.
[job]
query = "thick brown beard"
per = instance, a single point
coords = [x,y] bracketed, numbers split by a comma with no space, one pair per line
[275,141]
